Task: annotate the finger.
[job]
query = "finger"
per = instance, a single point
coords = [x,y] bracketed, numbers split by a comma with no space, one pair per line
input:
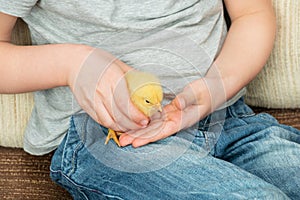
[172,122]
[122,119]
[106,112]
[192,115]
[113,91]
[126,139]
[194,93]
[152,129]
[104,118]
[156,130]
[110,116]
[125,68]
[186,98]
[155,134]
[145,135]
[134,118]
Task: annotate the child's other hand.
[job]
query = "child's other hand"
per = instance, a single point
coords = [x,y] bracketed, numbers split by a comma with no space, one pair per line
[101,90]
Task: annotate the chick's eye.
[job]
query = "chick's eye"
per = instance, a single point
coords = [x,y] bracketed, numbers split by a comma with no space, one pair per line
[147,101]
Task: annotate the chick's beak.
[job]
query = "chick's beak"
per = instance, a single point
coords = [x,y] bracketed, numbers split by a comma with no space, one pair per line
[159,108]
[155,109]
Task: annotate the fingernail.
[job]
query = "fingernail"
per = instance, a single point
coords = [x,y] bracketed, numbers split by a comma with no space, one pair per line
[124,143]
[144,123]
[181,103]
[178,103]
[125,140]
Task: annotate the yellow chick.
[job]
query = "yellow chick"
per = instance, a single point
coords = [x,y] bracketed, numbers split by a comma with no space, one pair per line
[146,94]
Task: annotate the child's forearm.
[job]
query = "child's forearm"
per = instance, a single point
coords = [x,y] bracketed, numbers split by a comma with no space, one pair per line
[247,47]
[31,68]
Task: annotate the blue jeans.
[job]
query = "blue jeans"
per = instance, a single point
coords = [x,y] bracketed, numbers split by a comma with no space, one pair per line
[251,157]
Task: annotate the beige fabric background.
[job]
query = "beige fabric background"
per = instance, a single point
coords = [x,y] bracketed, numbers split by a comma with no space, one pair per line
[15,111]
[278,85]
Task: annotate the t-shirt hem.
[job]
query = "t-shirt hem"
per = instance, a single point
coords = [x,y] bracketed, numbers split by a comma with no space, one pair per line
[38,150]
[231,101]
[10,9]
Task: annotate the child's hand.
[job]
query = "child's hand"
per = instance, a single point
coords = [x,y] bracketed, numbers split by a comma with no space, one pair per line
[190,106]
[101,90]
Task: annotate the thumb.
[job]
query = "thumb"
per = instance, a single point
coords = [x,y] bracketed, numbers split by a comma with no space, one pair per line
[186,98]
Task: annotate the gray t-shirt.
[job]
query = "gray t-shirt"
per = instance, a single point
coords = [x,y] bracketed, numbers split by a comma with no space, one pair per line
[176,40]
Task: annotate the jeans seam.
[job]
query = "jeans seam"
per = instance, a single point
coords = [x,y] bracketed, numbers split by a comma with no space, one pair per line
[75,151]
[246,115]
[73,161]
[78,146]
[80,187]
[83,133]
[63,154]
[206,141]
[72,182]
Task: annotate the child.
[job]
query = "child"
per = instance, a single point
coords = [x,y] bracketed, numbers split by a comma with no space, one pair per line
[207,144]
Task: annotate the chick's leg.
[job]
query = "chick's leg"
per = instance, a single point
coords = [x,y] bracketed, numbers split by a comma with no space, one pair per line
[114,135]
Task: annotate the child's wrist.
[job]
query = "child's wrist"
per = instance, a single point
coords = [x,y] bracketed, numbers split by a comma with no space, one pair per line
[76,57]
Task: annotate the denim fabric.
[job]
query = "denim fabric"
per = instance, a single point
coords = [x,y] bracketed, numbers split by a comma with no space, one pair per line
[252,157]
